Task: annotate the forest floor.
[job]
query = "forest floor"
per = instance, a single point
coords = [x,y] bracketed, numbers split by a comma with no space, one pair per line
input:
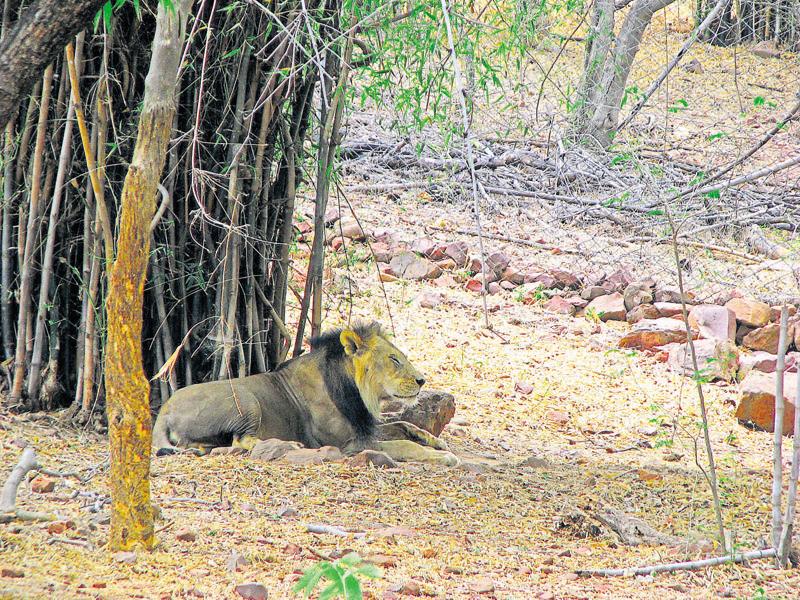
[563,424]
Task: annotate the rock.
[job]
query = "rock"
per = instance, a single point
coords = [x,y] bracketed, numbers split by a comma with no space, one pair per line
[186,535]
[313,456]
[617,281]
[387,275]
[127,558]
[337,242]
[775,312]
[459,252]
[430,299]
[424,246]
[236,561]
[592,292]
[447,264]
[508,286]
[476,283]
[380,460]
[41,484]
[497,263]
[670,309]
[383,253]
[651,333]
[482,586]
[350,229]
[672,294]
[331,216]
[495,288]
[713,322]
[409,588]
[557,417]
[578,302]
[764,362]
[750,312]
[716,359]
[545,279]
[741,331]
[511,275]
[610,307]
[251,591]
[227,451]
[564,280]
[766,49]
[408,265]
[757,402]
[643,311]
[765,338]
[559,305]
[432,412]
[694,66]
[11,572]
[638,292]
[523,388]
[474,265]
[273,449]
[59,527]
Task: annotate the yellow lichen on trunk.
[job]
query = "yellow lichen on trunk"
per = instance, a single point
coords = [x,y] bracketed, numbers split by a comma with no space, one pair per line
[127,388]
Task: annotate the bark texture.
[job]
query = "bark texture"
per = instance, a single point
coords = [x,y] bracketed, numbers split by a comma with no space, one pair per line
[127,388]
[34,41]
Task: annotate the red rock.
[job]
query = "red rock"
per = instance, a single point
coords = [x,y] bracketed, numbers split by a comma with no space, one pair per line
[58,527]
[186,535]
[438,253]
[11,572]
[508,286]
[497,262]
[251,591]
[775,312]
[523,388]
[765,338]
[651,333]
[713,322]
[430,299]
[673,295]
[610,307]
[337,242]
[558,417]
[511,275]
[365,458]
[409,588]
[42,484]
[458,251]
[750,312]
[617,281]
[643,311]
[313,456]
[408,265]
[475,284]
[716,359]
[559,305]
[638,292]
[424,246]
[350,229]
[578,302]
[564,280]
[670,309]
[447,264]
[764,362]
[474,265]
[432,412]
[494,287]
[387,275]
[383,253]
[757,401]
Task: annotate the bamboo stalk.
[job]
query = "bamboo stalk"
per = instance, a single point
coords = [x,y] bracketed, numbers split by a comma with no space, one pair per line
[777,438]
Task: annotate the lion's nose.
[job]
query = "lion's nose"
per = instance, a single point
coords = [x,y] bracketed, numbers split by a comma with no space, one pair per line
[420,381]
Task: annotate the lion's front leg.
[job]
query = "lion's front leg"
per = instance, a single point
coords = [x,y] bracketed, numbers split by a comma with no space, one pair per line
[406,450]
[403,430]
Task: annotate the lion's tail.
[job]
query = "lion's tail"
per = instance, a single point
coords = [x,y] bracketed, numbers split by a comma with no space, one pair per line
[161,438]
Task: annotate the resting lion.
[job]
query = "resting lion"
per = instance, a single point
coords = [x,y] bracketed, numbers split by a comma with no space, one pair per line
[331,396]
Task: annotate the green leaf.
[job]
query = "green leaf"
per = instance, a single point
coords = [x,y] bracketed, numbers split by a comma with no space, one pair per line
[107,12]
[308,581]
[352,588]
[716,136]
[332,591]
[759,101]
[713,194]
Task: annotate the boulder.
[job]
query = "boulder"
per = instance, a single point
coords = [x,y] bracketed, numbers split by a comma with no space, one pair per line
[512,275]
[775,312]
[408,265]
[651,333]
[592,292]
[673,294]
[741,331]
[497,263]
[765,338]
[716,359]
[669,309]
[547,280]
[447,264]
[610,307]
[430,299]
[750,312]
[494,287]
[638,292]
[643,311]
[766,49]
[459,252]
[617,281]
[383,253]
[273,449]
[42,484]
[757,401]
[764,362]
[713,322]
[432,412]
[578,302]
[564,280]
[313,456]
[559,305]
[476,283]
[365,458]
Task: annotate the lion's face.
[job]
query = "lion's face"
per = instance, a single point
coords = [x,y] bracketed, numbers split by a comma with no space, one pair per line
[385,377]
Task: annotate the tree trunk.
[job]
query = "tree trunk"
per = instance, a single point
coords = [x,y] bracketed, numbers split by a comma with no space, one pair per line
[33,42]
[127,388]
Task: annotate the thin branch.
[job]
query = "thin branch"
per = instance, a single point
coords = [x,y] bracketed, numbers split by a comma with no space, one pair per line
[681,566]
[777,438]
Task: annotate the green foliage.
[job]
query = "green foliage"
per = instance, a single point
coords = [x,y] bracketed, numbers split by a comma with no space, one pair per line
[679,105]
[342,574]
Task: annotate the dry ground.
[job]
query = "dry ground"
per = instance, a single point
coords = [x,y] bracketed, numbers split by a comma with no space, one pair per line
[627,443]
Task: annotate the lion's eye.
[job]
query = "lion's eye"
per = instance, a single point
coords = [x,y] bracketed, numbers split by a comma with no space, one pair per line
[395,360]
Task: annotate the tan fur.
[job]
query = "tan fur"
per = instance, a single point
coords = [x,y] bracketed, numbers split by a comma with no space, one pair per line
[245,410]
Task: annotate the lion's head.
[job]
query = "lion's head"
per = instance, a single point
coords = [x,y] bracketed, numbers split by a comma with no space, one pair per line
[384,376]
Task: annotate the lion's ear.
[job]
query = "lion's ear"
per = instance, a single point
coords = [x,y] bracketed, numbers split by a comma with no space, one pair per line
[351,341]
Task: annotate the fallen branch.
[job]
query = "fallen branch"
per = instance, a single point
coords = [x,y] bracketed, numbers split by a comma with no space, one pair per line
[680,566]
[8,497]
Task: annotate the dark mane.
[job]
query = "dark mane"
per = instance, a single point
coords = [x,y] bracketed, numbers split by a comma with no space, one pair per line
[341,387]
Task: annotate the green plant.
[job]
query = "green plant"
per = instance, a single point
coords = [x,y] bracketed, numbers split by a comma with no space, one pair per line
[343,575]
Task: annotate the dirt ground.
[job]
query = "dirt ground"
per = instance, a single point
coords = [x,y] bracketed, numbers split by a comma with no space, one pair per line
[595,428]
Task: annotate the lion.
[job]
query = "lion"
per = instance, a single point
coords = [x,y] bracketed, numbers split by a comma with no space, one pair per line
[331,396]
